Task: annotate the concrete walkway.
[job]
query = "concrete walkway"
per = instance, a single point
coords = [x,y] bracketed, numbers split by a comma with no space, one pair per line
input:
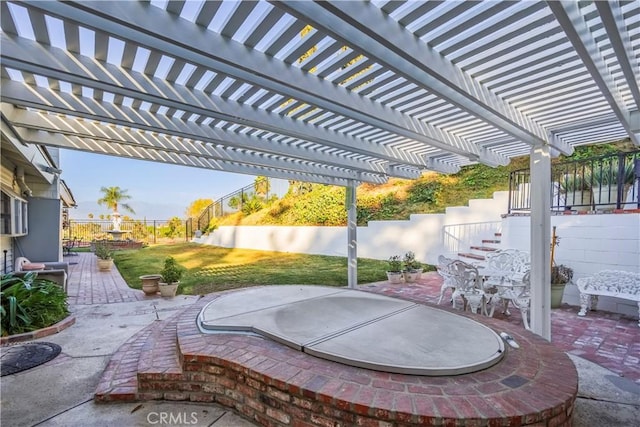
[60,392]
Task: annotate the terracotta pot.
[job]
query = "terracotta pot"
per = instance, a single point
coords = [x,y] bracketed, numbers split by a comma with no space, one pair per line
[150,283]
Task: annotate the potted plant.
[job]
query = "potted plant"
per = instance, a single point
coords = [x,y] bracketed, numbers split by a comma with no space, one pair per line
[105,256]
[394,273]
[412,270]
[577,193]
[171,274]
[560,276]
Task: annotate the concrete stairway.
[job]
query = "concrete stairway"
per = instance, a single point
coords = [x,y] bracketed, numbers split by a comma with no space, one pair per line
[477,254]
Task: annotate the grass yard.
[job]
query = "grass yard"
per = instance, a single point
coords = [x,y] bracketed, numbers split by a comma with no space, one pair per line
[213,269]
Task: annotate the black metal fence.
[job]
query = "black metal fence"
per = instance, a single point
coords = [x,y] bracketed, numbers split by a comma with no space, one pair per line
[601,183]
[146,231]
[248,199]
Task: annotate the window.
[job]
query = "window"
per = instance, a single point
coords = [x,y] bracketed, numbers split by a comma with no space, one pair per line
[13,215]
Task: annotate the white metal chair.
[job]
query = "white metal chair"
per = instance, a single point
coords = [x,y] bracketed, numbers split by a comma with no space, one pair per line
[448,282]
[468,286]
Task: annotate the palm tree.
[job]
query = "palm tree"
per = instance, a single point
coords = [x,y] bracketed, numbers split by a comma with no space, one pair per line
[112,196]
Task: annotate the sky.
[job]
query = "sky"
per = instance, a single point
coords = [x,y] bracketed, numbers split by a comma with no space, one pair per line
[157,190]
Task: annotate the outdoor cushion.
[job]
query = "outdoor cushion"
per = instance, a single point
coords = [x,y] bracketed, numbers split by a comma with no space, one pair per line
[31,266]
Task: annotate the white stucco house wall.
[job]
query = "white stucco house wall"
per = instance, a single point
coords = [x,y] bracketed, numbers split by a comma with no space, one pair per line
[33,200]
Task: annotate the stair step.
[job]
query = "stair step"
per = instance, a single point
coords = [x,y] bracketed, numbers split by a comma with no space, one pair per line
[151,354]
[483,248]
[119,381]
[471,256]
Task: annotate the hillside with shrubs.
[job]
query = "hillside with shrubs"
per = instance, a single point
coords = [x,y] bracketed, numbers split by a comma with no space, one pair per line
[316,204]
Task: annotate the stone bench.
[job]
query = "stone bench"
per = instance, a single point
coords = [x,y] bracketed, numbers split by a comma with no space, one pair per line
[610,283]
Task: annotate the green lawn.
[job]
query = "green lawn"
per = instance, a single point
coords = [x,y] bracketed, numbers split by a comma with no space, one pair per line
[213,269]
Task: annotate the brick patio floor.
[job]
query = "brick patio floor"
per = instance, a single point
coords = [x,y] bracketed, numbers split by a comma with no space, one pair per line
[608,339]
[275,385]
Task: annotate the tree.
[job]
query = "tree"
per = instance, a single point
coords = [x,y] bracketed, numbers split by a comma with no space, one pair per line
[174,227]
[112,196]
[262,186]
[196,207]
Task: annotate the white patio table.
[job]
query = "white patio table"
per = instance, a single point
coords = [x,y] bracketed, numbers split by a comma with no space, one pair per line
[504,286]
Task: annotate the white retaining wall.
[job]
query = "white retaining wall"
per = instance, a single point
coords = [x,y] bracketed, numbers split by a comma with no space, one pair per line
[422,234]
[588,244]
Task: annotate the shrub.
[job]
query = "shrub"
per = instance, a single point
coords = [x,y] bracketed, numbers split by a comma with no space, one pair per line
[561,274]
[29,303]
[103,251]
[172,271]
[424,192]
[395,263]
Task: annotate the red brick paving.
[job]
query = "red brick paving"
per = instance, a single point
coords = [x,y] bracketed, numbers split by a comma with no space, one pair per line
[611,340]
[88,285]
[275,385]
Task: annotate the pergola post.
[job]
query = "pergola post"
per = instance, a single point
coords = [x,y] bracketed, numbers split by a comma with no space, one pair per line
[352,238]
[540,166]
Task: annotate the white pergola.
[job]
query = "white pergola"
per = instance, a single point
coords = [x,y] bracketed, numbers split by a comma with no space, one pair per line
[333,92]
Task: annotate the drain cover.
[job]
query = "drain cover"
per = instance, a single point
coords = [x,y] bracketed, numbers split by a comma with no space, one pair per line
[17,358]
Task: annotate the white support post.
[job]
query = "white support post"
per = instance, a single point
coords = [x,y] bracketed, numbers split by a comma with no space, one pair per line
[352,238]
[540,166]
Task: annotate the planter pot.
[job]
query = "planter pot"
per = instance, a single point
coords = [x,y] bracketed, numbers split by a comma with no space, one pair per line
[168,289]
[410,276]
[575,198]
[394,276]
[605,197]
[150,283]
[105,264]
[556,295]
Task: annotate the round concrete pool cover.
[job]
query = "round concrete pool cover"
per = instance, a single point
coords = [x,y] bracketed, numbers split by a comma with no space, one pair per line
[358,329]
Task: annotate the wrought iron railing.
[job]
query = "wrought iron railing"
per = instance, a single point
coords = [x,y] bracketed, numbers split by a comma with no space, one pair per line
[235,202]
[601,183]
[146,231]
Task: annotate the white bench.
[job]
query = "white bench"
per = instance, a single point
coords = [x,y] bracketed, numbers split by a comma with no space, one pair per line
[54,271]
[610,283]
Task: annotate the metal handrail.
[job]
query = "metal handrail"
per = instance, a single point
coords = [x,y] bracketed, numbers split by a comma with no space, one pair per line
[457,236]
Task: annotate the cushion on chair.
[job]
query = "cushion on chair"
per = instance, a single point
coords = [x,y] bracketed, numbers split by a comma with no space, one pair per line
[32,266]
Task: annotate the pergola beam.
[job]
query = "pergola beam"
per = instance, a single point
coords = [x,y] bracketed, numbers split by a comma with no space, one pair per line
[568,15]
[135,138]
[176,158]
[31,57]
[362,25]
[94,112]
[613,22]
[158,31]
